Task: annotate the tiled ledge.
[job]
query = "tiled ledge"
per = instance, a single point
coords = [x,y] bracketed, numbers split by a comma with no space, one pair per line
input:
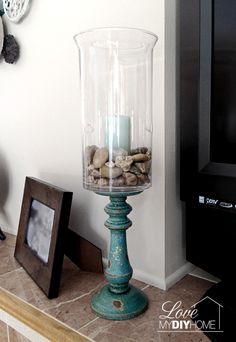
[32,324]
[72,307]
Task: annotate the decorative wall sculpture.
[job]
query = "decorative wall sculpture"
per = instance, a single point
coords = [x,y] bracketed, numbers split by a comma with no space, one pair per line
[14,11]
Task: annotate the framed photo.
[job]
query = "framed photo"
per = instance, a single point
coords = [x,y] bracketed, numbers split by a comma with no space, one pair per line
[42,231]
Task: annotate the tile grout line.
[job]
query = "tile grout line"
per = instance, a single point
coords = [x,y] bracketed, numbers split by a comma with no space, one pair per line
[9,272]
[100,329]
[8,335]
[145,287]
[85,325]
[79,297]
[70,300]
[66,302]
[119,336]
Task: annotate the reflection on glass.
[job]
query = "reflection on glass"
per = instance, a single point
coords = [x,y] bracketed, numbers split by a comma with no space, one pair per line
[39,230]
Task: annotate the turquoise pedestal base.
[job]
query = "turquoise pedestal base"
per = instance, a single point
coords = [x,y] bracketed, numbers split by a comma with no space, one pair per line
[119,306]
[118,300]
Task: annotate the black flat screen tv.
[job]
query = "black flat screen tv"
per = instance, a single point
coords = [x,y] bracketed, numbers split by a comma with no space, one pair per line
[208,98]
[223,94]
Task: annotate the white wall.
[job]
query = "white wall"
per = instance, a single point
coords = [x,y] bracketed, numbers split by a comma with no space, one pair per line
[40,123]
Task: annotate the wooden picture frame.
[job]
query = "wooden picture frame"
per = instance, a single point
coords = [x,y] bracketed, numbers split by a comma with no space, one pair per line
[42,231]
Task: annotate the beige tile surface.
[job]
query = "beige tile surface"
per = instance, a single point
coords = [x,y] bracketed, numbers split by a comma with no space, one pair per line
[15,336]
[73,304]
[8,262]
[3,332]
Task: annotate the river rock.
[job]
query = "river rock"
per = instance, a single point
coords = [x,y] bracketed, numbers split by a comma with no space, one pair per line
[103,182]
[124,162]
[108,172]
[144,167]
[119,181]
[138,150]
[95,173]
[89,154]
[119,152]
[143,179]
[90,168]
[130,179]
[90,179]
[140,157]
[134,169]
[110,164]
[100,157]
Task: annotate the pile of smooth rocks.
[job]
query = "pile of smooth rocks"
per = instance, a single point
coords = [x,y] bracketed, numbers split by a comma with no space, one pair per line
[119,169]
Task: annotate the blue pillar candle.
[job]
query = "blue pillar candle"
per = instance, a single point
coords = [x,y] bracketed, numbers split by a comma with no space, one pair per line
[117,132]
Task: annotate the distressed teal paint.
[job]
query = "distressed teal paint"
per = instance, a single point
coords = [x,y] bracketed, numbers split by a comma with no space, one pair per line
[118,300]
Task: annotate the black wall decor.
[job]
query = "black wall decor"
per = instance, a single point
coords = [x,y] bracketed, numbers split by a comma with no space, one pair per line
[208,131]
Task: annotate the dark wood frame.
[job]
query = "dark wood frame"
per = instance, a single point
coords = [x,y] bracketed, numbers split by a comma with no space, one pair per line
[47,276]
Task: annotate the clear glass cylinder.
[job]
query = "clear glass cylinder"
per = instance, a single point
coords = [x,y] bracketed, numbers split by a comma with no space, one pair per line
[116,98]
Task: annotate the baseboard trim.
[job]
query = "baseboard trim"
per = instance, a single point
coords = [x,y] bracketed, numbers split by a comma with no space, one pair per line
[143,276]
[9,230]
[163,284]
[149,279]
[199,273]
[178,274]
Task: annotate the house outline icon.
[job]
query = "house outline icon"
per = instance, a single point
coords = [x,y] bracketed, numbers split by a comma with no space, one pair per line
[215,302]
